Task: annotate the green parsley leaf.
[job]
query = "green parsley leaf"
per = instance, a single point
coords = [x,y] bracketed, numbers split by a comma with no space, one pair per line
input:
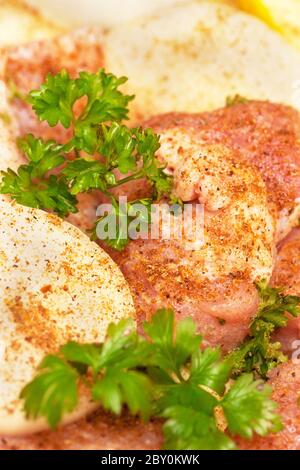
[248,408]
[32,185]
[273,304]
[190,429]
[50,193]
[209,370]
[52,178]
[118,145]
[54,102]
[55,99]
[119,387]
[172,352]
[87,355]
[45,155]
[105,101]
[148,144]
[53,392]
[236,99]
[83,175]
[114,227]
[166,376]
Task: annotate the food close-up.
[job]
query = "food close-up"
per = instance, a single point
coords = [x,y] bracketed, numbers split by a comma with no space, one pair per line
[150,225]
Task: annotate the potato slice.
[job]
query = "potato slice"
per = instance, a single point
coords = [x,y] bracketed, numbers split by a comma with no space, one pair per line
[20,23]
[191,56]
[55,285]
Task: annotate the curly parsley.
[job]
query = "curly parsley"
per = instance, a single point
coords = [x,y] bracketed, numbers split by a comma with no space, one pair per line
[100,143]
[259,353]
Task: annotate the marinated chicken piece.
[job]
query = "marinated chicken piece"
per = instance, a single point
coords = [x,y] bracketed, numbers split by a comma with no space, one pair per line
[287,275]
[99,431]
[263,134]
[287,269]
[285,381]
[267,135]
[208,276]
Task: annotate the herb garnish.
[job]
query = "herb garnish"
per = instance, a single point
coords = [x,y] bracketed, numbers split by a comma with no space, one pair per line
[259,353]
[100,144]
[168,376]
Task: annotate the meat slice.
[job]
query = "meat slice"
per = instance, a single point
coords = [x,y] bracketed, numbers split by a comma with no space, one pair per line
[103,431]
[285,381]
[27,66]
[287,270]
[210,279]
[267,135]
[99,431]
[287,275]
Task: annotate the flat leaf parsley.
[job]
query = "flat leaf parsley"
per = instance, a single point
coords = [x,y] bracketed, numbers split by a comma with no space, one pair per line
[167,376]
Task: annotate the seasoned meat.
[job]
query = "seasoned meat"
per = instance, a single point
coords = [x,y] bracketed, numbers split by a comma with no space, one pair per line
[287,269]
[268,137]
[28,65]
[103,431]
[285,380]
[212,282]
[287,275]
[265,135]
[99,431]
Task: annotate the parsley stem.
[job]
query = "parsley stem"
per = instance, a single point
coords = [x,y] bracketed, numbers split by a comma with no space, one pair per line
[129,178]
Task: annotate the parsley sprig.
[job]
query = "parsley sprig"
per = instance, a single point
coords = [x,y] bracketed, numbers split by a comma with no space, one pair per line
[166,375]
[94,108]
[259,353]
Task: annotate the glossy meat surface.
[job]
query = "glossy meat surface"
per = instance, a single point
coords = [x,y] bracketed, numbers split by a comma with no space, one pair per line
[212,282]
[267,135]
